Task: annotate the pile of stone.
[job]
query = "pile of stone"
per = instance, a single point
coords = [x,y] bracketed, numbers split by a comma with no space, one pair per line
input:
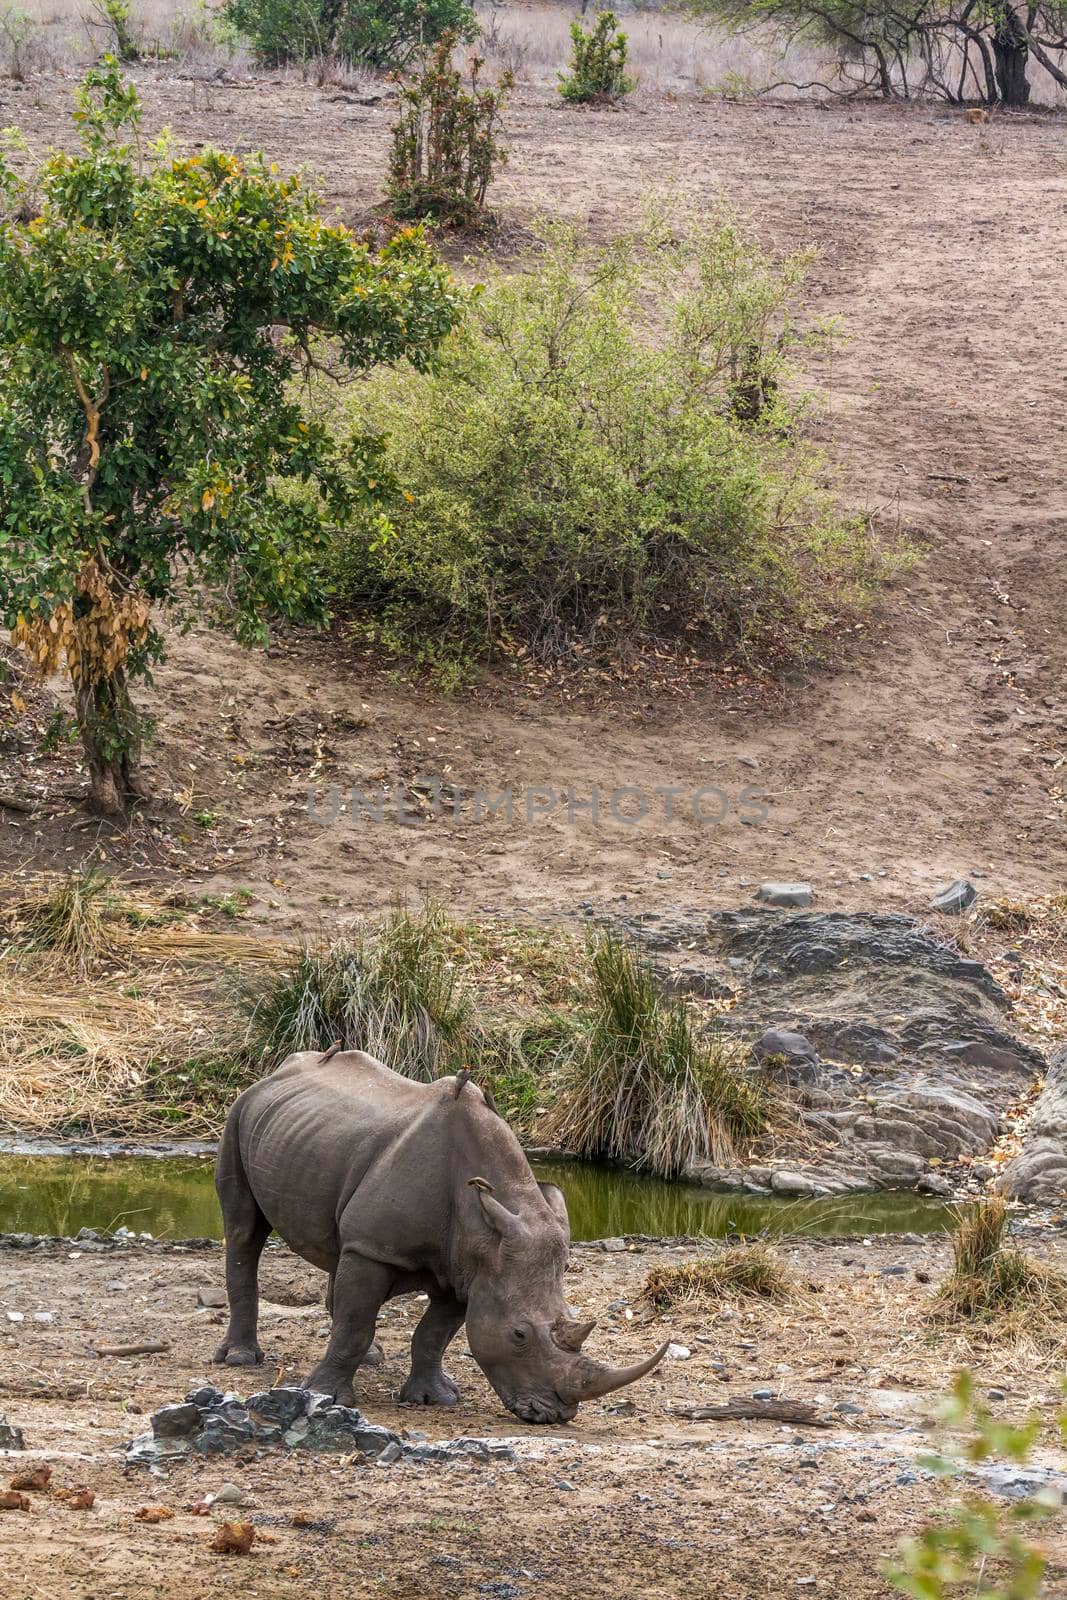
[209,1423]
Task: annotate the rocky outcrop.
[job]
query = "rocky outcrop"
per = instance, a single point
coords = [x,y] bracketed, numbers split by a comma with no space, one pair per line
[1039,1172]
[893,1046]
[211,1423]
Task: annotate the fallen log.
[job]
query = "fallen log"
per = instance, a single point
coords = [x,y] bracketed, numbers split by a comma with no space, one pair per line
[739,1409]
[147,1347]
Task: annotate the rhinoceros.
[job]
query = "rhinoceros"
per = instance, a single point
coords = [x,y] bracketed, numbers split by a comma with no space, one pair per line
[393,1186]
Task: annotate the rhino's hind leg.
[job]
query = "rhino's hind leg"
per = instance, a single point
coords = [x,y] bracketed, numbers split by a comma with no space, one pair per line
[247,1230]
[358,1289]
[428,1383]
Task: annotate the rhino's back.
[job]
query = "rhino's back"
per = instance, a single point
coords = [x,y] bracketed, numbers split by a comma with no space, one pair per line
[312,1132]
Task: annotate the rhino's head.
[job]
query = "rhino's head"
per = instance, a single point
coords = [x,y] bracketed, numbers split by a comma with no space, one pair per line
[518,1326]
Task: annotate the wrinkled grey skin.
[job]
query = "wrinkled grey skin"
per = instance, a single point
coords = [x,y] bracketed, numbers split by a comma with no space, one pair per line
[370,1176]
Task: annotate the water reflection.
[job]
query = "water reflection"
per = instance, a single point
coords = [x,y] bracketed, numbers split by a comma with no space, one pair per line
[175,1198]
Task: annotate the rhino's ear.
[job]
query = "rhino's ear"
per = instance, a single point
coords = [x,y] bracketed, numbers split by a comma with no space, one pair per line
[557,1205]
[506,1222]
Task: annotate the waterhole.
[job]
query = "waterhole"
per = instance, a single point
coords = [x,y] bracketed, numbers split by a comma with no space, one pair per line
[173,1197]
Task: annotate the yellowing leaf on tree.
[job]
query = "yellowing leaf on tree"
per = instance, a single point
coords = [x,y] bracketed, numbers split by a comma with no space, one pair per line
[207,499]
[144,373]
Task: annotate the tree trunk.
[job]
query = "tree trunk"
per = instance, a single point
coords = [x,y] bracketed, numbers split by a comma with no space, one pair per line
[110,731]
[1010,52]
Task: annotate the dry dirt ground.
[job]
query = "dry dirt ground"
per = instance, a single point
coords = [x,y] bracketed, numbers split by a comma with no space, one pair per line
[937,749]
[638,1504]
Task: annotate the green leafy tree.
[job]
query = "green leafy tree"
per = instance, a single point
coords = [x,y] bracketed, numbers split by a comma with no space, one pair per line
[598,62]
[154,450]
[380,34]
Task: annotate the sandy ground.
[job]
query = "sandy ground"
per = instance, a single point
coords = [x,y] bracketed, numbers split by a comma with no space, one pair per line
[639,1503]
[938,749]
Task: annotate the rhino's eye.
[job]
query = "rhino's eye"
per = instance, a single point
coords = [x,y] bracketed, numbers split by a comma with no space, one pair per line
[519,1334]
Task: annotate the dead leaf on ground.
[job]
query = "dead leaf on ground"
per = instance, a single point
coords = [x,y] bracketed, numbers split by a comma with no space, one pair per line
[32,1477]
[77,1499]
[233,1539]
[153,1514]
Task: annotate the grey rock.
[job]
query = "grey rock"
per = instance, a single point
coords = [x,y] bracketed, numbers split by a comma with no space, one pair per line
[613,1246]
[955,898]
[798,1060]
[176,1422]
[11,1438]
[791,1183]
[205,1397]
[785,895]
[228,1494]
[845,1408]
[211,1296]
[1039,1172]
[278,1408]
[892,1272]
[934,1183]
[996,1394]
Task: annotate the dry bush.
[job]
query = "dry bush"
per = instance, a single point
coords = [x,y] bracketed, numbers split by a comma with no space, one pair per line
[997,1285]
[639,1086]
[745,1271]
[394,992]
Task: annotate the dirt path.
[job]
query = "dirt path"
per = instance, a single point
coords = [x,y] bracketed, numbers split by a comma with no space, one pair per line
[638,1503]
[938,751]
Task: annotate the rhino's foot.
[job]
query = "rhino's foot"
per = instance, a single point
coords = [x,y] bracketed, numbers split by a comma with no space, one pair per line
[429,1389]
[323,1381]
[237,1355]
[375,1356]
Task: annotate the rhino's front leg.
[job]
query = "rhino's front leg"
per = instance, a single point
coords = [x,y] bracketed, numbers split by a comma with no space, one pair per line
[428,1383]
[359,1289]
[375,1356]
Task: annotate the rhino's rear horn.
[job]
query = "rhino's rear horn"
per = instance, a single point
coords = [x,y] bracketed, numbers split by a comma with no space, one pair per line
[570,1334]
[592,1380]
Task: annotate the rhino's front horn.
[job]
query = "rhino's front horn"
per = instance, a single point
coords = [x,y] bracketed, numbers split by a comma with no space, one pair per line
[592,1380]
[570,1334]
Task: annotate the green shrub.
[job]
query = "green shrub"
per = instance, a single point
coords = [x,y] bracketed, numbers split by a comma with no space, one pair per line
[598,62]
[117,16]
[380,34]
[978,1548]
[445,149]
[639,1086]
[577,477]
[395,993]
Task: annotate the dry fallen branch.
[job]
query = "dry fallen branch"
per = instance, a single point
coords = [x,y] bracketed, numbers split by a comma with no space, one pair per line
[738,1409]
[148,1347]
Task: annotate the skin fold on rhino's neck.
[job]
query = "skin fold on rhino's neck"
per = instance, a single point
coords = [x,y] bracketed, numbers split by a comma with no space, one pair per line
[482,1146]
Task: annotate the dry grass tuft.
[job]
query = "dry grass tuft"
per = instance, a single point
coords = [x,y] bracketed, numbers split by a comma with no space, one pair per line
[640,1086]
[74,921]
[746,1271]
[995,1284]
[394,991]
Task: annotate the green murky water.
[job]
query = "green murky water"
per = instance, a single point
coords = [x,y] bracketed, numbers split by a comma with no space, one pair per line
[174,1198]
